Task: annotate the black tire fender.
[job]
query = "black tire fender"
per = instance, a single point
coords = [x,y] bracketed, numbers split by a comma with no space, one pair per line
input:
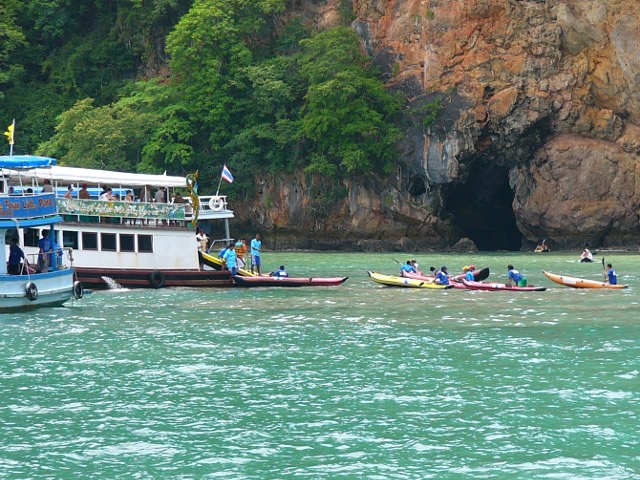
[157,279]
[78,290]
[31,291]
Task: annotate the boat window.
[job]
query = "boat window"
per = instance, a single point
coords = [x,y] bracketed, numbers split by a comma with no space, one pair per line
[89,241]
[70,239]
[31,237]
[11,233]
[127,243]
[145,243]
[108,241]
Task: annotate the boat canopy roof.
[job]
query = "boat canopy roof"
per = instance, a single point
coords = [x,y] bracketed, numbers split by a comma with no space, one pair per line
[22,162]
[78,176]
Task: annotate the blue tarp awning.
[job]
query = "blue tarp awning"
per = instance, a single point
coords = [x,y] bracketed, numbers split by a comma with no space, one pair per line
[20,162]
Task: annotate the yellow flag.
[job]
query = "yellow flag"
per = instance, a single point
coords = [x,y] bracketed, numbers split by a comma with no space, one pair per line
[9,134]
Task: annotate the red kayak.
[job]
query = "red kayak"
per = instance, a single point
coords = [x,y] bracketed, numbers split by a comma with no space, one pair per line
[500,286]
[287,281]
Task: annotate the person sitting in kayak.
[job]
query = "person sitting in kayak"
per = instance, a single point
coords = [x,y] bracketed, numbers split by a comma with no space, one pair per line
[612,276]
[515,277]
[415,265]
[442,278]
[542,248]
[282,273]
[407,267]
[587,256]
[469,276]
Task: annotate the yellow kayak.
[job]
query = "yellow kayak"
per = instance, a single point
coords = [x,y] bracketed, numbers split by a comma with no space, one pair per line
[394,281]
[580,282]
[217,264]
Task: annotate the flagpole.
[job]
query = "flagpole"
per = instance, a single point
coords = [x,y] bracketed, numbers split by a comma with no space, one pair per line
[219,183]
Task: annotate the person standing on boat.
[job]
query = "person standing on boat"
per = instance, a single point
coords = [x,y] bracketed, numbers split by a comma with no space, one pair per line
[107,195]
[202,240]
[69,192]
[45,257]
[408,267]
[442,277]
[256,250]
[612,276]
[145,194]
[230,259]
[515,277]
[84,194]
[47,187]
[241,250]
[160,195]
[16,258]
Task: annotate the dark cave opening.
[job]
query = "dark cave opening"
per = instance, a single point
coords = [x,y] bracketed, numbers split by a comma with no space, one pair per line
[481,208]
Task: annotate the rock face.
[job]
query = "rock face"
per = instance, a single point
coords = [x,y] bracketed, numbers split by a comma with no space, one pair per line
[537,133]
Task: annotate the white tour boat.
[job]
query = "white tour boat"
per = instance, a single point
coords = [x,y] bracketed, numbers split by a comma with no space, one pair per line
[140,243]
[34,280]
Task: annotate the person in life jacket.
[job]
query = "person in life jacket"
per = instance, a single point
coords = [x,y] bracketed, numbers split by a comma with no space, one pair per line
[515,277]
[612,276]
[469,276]
[407,267]
[442,277]
[241,250]
[282,273]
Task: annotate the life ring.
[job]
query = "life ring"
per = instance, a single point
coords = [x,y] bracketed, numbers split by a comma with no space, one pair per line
[216,204]
[78,290]
[31,291]
[157,279]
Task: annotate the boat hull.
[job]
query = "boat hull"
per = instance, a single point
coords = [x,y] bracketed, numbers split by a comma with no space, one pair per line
[248,282]
[53,290]
[103,278]
[494,287]
[574,282]
[394,281]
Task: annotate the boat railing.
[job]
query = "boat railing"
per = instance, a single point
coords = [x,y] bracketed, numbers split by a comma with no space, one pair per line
[58,259]
[107,211]
[140,213]
[213,203]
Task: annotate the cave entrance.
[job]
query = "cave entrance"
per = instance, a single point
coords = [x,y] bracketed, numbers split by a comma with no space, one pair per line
[481,208]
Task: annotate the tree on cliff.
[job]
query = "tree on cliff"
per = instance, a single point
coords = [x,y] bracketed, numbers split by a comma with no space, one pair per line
[347,113]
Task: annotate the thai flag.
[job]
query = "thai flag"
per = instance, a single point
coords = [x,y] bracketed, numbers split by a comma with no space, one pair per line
[226,174]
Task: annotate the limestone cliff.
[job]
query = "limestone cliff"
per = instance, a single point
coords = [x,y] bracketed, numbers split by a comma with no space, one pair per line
[537,133]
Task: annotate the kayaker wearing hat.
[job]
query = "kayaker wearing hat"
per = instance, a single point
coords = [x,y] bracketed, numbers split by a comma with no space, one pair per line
[469,276]
[442,278]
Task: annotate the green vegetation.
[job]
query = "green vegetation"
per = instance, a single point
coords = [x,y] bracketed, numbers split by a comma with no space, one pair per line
[242,82]
[430,112]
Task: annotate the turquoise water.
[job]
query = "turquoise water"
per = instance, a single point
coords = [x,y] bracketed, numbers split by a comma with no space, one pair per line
[355,381]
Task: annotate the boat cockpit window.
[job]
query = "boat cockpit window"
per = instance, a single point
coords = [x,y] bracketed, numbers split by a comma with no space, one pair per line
[89,241]
[127,243]
[145,243]
[70,239]
[108,242]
